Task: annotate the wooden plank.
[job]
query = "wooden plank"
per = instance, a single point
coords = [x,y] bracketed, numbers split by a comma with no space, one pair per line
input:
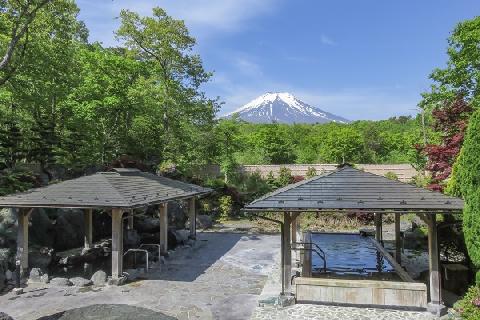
[287,260]
[192,216]
[398,268]
[398,244]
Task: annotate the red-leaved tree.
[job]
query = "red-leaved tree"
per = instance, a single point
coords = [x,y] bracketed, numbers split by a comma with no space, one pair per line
[450,121]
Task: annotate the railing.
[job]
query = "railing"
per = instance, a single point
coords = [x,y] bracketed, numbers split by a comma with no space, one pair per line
[320,253]
[135,257]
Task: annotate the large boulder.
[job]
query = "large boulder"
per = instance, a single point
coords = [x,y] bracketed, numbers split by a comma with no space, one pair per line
[177,213]
[41,230]
[4,316]
[35,275]
[60,282]
[131,238]
[41,258]
[182,235]
[69,229]
[99,278]
[147,224]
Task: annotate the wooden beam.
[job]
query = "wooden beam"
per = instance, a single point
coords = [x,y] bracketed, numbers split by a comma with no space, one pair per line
[87,219]
[307,255]
[22,239]
[287,254]
[378,227]
[163,216]
[117,243]
[398,244]
[435,304]
[192,216]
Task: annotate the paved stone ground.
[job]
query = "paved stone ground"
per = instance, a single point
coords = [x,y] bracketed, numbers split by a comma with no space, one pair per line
[220,278]
[319,312]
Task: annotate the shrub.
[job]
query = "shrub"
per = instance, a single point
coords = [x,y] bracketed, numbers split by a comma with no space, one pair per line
[391,175]
[226,207]
[284,177]
[311,172]
[469,306]
[465,182]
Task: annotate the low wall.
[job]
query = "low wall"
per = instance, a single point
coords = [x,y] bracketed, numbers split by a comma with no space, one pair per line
[361,292]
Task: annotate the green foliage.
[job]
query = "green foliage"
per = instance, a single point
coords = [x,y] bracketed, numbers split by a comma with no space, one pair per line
[343,145]
[284,177]
[469,306]
[225,207]
[391,175]
[311,172]
[15,180]
[465,182]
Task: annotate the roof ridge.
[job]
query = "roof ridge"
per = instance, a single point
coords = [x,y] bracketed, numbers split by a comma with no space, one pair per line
[105,178]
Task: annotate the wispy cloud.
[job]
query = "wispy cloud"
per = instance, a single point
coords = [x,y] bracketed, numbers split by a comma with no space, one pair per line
[327,40]
[203,17]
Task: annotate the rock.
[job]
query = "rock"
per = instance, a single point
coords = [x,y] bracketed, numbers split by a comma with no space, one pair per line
[204,221]
[80,282]
[99,278]
[35,275]
[116,282]
[41,258]
[182,235]
[131,238]
[147,224]
[17,291]
[8,275]
[60,282]
[177,214]
[45,278]
[69,229]
[4,316]
[41,230]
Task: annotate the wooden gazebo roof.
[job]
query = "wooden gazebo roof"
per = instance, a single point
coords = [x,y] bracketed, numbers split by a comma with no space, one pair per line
[122,188]
[350,189]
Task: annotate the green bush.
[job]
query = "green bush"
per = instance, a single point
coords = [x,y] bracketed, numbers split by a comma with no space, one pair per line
[465,182]
[469,306]
[284,177]
[391,175]
[311,172]
[226,207]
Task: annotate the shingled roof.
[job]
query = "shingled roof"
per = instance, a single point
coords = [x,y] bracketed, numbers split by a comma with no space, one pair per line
[348,188]
[122,188]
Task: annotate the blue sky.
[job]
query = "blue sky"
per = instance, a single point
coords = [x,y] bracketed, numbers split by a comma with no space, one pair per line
[367,59]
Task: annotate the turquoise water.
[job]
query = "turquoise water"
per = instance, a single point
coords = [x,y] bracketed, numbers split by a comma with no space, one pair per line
[352,256]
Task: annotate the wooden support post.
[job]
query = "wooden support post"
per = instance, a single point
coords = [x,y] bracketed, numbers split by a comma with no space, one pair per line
[287,254]
[296,236]
[87,218]
[307,255]
[117,243]
[398,244]
[22,239]
[192,216]
[435,305]
[130,220]
[378,227]
[163,215]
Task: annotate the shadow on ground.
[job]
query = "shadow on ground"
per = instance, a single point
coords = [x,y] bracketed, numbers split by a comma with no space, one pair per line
[209,249]
[108,312]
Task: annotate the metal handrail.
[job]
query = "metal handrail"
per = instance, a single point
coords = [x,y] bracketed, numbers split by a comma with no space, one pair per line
[319,252]
[135,256]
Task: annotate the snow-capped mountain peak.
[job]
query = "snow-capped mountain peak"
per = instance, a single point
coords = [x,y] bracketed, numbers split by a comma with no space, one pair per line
[283,107]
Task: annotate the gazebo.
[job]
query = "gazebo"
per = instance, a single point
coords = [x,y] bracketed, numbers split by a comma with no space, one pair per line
[351,190]
[119,192]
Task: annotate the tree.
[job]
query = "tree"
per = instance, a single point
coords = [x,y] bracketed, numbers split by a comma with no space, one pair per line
[16,18]
[462,74]
[342,145]
[273,141]
[171,90]
[227,134]
[450,122]
[465,182]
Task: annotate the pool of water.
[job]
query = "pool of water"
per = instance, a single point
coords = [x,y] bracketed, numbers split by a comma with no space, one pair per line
[351,256]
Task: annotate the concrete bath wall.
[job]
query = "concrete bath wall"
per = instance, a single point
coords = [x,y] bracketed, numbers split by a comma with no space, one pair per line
[361,292]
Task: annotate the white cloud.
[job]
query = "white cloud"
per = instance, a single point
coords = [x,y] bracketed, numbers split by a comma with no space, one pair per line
[203,17]
[327,40]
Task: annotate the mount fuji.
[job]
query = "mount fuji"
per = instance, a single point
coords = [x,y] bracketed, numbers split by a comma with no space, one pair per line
[282,107]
